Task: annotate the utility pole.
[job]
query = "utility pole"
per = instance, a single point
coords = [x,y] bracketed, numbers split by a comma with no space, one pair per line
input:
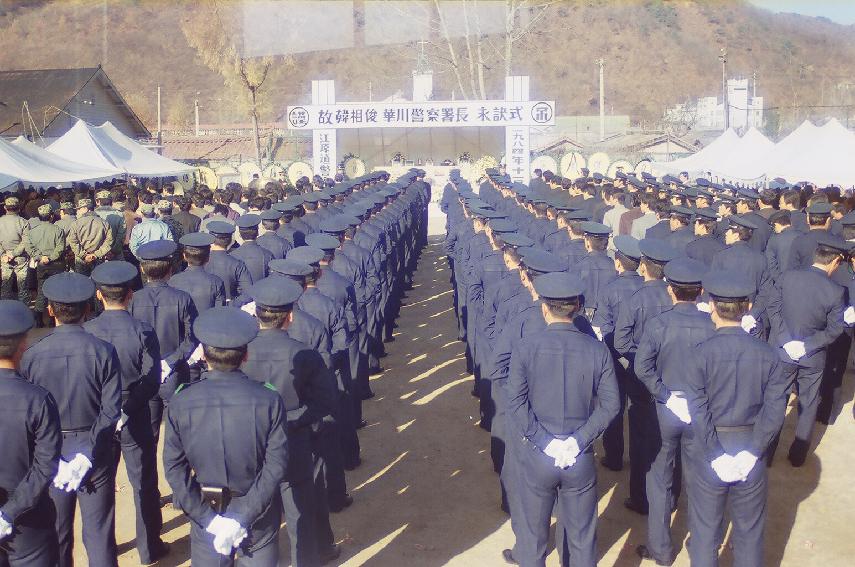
[723,58]
[196,112]
[159,134]
[601,62]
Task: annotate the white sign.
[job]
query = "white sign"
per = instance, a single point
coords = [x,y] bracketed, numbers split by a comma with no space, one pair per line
[431,114]
[518,154]
[323,142]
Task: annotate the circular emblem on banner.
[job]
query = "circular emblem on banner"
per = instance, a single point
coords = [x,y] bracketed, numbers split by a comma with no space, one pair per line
[541,112]
[298,117]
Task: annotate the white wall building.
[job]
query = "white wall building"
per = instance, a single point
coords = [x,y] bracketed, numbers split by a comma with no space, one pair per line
[707,113]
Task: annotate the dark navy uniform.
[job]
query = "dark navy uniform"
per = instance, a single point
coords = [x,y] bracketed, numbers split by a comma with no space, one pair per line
[206,289]
[300,376]
[232,471]
[547,407]
[234,273]
[83,374]
[31,440]
[737,396]
[254,257]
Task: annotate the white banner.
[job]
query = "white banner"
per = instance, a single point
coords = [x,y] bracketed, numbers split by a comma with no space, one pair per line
[518,154]
[433,114]
[324,153]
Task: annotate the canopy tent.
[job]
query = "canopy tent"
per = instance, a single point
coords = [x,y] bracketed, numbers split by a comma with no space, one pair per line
[715,152]
[105,147]
[35,166]
[742,160]
[825,158]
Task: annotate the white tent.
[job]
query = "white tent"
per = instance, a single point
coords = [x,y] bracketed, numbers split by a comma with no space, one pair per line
[704,160]
[827,157]
[104,146]
[742,160]
[77,171]
[35,166]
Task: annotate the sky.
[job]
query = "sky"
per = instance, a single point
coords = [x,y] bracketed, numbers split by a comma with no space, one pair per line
[840,11]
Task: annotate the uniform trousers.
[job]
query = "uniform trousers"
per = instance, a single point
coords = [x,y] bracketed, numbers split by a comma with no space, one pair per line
[259,549]
[299,506]
[158,403]
[837,357]
[540,484]
[43,272]
[14,275]
[323,531]
[97,499]
[613,442]
[643,438]
[708,498]
[664,481]
[327,447]
[33,542]
[138,449]
[808,381]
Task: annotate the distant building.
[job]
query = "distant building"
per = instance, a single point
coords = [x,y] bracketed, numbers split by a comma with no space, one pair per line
[47,102]
[707,113]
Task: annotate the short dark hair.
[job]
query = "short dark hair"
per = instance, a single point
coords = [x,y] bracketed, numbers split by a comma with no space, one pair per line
[248,233]
[627,263]
[270,224]
[654,269]
[743,232]
[565,308]
[825,255]
[224,359]
[597,243]
[769,198]
[114,293]
[685,292]
[816,220]
[792,198]
[155,269]
[196,256]
[224,240]
[730,309]
[9,345]
[69,313]
[269,317]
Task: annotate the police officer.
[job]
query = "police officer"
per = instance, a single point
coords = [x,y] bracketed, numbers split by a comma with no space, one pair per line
[612,296]
[46,247]
[650,300]
[14,242]
[206,289]
[89,238]
[83,374]
[226,479]
[267,237]
[249,252]
[556,432]
[595,268]
[139,358]
[736,391]
[234,273]
[299,375]
[31,450]
[660,363]
[806,325]
[171,313]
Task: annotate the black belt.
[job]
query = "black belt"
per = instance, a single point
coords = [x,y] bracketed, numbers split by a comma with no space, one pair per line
[733,428]
[218,498]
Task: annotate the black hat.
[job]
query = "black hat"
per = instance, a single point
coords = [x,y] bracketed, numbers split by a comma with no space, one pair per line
[579,215]
[157,250]
[628,246]
[595,229]
[819,209]
[221,228]
[308,254]
[335,225]
[116,273]
[740,220]
[702,182]
[249,220]
[271,215]
[323,241]
[681,211]
[726,284]
[685,271]
[784,217]
[502,225]
[705,213]
[290,268]
[68,287]
[225,327]
[559,285]
[275,292]
[746,193]
[542,261]
[516,240]
[829,240]
[657,250]
[197,240]
[848,219]
[15,318]
[351,220]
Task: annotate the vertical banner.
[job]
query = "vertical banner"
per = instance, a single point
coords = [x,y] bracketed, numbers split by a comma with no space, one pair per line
[517,141]
[324,157]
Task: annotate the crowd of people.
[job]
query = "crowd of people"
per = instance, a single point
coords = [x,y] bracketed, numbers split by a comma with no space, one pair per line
[240,326]
[694,307]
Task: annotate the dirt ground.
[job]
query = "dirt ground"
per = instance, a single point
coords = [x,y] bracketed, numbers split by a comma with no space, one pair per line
[426,494]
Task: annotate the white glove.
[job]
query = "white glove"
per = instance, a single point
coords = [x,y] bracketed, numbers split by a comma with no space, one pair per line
[725,468]
[570,451]
[849,315]
[78,469]
[744,462]
[748,323]
[228,534]
[554,450]
[165,371]
[795,349]
[5,527]
[196,355]
[598,332]
[123,419]
[679,407]
[249,308]
[704,307]
[63,475]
